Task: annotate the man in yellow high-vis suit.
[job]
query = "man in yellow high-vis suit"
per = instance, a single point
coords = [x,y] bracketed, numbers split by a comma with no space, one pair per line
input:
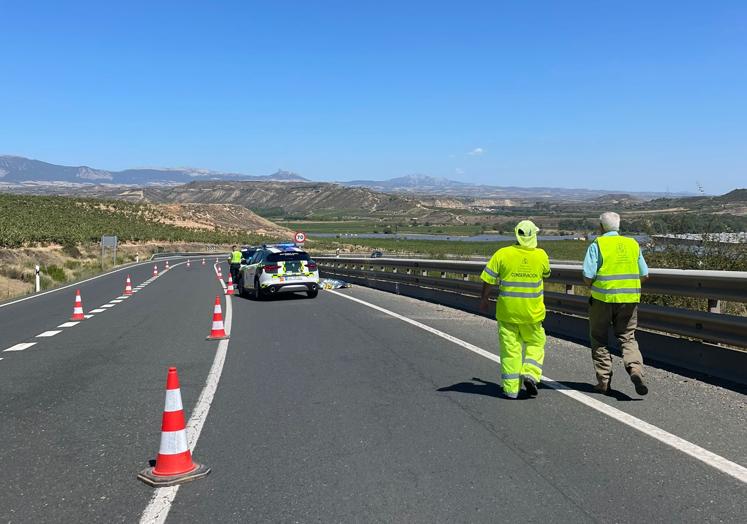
[519,270]
[614,268]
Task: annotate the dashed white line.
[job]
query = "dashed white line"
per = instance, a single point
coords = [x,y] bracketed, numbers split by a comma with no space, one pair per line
[718,462]
[87,316]
[107,306]
[69,324]
[49,333]
[20,347]
[98,310]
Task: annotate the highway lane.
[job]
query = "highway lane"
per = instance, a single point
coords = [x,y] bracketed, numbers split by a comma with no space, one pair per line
[329,411]
[82,410]
[27,318]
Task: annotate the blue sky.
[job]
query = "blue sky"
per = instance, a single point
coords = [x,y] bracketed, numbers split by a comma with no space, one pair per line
[599,94]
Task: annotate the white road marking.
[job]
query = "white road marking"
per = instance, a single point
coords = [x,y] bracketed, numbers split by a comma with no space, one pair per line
[69,324]
[87,316]
[107,306]
[49,333]
[160,503]
[99,310]
[20,347]
[718,462]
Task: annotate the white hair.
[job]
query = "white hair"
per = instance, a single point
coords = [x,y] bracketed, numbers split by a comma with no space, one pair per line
[610,221]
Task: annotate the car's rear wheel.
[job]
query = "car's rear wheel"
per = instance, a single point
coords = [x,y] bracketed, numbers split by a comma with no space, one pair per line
[312,293]
[240,285]
[258,293]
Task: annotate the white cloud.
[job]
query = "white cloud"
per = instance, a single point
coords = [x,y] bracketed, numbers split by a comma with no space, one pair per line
[476,151]
[459,171]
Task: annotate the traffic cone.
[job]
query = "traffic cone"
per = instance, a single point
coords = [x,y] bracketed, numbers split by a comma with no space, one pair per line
[187,263]
[203,261]
[128,286]
[78,307]
[155,270]
[167,264]
[218,332]
[229,287]
[174,464]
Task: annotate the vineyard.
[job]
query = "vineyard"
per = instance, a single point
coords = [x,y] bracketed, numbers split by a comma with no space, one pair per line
[42,220]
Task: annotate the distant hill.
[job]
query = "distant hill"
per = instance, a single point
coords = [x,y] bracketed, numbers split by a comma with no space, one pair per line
[438,186]
[20,171]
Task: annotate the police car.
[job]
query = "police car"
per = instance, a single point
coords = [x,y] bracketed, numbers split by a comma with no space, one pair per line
[278,268]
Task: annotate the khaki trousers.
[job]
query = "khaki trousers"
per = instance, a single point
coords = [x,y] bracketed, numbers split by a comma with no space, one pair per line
[624,319]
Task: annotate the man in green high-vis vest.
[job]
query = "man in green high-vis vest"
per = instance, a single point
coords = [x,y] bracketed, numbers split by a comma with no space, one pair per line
[614,267]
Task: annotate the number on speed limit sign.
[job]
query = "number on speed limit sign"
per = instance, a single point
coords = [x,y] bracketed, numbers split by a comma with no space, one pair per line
[300,238]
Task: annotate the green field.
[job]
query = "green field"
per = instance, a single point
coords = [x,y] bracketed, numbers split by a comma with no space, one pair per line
[41,220]
[375,226]
[556,249]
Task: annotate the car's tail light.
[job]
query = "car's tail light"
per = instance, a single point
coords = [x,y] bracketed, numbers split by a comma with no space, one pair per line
[311,266]
[271,269]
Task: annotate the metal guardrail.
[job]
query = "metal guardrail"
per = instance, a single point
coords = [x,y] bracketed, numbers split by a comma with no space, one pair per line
[454,276]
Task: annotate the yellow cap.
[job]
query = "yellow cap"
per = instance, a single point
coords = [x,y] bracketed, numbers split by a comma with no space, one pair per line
[526,233]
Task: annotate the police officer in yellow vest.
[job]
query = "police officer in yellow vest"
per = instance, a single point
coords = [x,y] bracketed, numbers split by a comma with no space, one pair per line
[234,260]
[614,267]
[518,270]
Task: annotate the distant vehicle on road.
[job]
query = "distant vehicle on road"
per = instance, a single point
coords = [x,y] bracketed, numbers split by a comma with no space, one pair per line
[376,254]
[279,268]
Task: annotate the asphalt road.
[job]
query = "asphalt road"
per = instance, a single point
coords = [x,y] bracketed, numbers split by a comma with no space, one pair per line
[330,411]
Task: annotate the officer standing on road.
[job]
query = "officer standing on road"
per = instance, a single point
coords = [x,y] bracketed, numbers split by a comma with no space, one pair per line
[235,263]
[519,270]
[614,268]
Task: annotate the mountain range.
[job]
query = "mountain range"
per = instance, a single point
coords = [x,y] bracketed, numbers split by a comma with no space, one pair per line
[27,175]
[16,170]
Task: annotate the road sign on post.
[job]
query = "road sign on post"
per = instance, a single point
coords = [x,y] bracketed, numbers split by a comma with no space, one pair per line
[111,242]
[38,283]
[300,237]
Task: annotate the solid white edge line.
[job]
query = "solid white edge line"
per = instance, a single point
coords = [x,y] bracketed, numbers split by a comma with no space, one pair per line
[160,503]
[20,347]
[718,462]
[49,333]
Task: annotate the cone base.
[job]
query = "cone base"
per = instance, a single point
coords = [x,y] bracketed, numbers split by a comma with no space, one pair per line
[160,481]
[82,317]
[211,337]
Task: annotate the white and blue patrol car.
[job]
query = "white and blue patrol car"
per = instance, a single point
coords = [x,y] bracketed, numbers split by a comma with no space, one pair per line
[278,268]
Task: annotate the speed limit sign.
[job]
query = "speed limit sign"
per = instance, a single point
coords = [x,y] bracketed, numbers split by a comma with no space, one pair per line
[300,238]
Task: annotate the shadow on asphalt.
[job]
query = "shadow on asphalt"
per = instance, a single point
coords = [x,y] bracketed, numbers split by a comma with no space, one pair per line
[491,389]
[488,389]
[585,387]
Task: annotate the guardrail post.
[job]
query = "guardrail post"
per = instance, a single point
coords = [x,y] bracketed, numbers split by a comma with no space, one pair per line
[409,271]
[394,269]
[443,274]
[714,305]
[424,273]
[569,290]
[465,276]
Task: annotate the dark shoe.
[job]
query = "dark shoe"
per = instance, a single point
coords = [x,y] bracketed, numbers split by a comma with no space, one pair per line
[640,387]
[530,387]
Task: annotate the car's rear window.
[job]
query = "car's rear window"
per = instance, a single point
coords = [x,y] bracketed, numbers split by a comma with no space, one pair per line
[287,256]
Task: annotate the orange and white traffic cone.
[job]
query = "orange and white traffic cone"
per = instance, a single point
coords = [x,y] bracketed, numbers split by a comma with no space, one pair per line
[174,464]
[218,331]
[78,307]
[155,270]
[167,264]
[128,286]
[229,287]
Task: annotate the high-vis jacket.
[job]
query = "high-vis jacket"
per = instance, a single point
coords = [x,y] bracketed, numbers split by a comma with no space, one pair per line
[519,272]
[618,279]
[235,257]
